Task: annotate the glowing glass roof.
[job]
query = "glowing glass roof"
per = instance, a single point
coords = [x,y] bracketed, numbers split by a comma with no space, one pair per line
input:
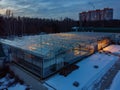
[51,44]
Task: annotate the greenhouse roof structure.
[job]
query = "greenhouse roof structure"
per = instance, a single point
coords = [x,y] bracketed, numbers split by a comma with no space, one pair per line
[52,44]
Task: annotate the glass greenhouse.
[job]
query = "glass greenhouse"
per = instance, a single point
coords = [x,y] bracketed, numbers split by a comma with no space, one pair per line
[43,55]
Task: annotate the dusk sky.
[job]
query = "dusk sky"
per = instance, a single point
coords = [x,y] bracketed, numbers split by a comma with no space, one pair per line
[57,8]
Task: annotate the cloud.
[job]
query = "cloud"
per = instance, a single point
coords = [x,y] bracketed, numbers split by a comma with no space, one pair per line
[55,8]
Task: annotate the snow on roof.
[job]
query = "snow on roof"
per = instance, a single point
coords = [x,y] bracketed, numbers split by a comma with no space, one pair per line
[116,82]
[113,48]
[43,45]
[85,75]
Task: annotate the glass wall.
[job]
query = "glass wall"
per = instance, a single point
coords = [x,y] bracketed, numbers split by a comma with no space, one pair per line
[28,61]
[103,43]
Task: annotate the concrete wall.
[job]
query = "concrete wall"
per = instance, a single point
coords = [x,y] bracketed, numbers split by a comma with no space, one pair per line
[27,78]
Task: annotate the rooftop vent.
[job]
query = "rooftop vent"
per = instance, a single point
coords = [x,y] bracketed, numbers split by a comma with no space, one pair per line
[76,84]
[96,66]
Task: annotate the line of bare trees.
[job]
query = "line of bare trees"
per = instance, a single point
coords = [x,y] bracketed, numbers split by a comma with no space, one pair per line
[25,25]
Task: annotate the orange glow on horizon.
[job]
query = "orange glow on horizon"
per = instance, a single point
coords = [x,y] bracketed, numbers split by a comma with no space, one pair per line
[2,11]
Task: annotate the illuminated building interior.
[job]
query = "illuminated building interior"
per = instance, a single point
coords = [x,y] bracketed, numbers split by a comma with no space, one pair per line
[44,55]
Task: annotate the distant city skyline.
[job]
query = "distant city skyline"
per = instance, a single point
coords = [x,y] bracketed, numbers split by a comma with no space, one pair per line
[57,9]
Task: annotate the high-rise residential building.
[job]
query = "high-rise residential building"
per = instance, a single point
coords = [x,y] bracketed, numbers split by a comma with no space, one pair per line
[83,16]
[108,13]
[97,15]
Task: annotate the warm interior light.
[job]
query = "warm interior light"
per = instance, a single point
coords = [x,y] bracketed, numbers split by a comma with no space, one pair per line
[32,47]
[102,43]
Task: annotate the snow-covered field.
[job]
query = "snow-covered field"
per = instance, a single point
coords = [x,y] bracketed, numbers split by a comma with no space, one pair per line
[113,49]
[86,75]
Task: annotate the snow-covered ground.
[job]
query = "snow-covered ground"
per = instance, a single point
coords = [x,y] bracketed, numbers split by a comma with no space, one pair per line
[86,75]
[10,84]
[17,87]
[116,82]
[113,49]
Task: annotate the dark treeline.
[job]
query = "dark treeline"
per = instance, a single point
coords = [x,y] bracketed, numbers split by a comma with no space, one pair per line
[105,23]
[101,26]
[27,26]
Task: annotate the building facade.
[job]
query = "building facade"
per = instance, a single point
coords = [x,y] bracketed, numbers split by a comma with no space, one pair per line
[97,15]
